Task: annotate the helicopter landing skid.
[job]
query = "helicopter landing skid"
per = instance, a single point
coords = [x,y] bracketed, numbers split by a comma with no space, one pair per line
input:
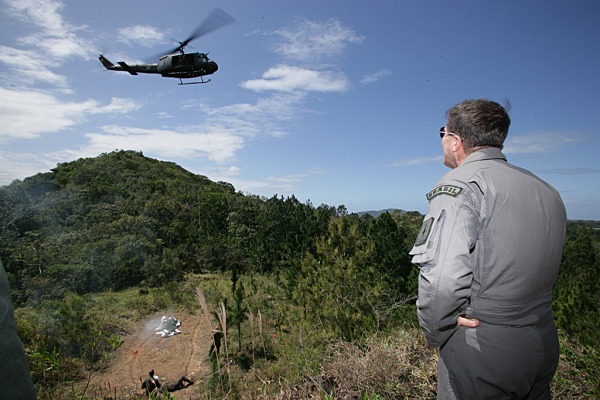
[181,83]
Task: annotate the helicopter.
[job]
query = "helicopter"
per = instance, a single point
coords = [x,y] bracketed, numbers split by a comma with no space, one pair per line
[176,63]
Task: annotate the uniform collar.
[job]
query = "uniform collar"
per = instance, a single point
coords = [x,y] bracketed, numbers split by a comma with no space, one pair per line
[487,153]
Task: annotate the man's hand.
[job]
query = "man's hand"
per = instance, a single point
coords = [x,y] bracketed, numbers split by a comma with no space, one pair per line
[468,322]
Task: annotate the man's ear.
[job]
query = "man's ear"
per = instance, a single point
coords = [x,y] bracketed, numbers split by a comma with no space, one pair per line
[457,145]
[458,148]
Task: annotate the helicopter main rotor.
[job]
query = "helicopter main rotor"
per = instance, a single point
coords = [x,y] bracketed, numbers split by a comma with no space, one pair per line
[217,19]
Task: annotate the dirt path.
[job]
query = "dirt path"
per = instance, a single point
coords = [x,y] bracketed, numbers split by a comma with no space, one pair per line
[184,354]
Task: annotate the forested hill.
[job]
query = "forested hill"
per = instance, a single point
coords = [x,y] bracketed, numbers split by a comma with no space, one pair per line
[105,222]
[122,219]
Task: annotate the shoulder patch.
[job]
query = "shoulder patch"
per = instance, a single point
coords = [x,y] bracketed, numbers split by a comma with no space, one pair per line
[424,232]
[444,189]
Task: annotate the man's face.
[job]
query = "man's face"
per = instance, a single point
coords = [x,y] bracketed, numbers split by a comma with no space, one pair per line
[448,144]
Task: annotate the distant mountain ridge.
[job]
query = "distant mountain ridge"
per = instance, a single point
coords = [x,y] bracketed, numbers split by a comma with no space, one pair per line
[376,214]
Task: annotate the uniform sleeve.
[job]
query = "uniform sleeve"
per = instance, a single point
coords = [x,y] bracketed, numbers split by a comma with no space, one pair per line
[14,367]
[442,252]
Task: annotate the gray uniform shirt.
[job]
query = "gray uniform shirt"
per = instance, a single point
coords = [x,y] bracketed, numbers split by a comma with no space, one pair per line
[489,247]
[14,367]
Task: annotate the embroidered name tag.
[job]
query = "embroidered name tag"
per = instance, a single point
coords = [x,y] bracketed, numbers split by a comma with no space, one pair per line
[444,189]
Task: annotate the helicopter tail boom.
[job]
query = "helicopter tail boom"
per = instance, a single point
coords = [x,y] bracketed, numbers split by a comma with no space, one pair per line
[132,69]
[126,68]
[122,65]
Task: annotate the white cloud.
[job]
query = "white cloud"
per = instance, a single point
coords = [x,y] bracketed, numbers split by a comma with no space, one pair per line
[189,143]
[291,84]
[289,179]
[265,117]
[42,13]
[271,185]
[28,67]
[233,170]
[538,142]
[285,78]
[61,47]
[117,105]
[26,114]
[22,165]
[279,106]
[141,35]
[56,38]
[282,106]
[315,40]
[374,77]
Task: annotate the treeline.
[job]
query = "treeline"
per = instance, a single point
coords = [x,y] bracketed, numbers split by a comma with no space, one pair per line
[123,220]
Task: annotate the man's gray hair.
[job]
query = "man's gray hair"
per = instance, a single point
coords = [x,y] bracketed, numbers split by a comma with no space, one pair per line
[479,123]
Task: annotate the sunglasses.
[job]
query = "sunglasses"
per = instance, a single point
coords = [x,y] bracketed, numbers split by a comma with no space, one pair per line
[444,133]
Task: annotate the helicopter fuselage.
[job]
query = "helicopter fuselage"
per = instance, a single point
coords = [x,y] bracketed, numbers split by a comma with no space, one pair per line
[182,66]
[188,65]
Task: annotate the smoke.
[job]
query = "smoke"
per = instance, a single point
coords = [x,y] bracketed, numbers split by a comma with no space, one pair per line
[153,323]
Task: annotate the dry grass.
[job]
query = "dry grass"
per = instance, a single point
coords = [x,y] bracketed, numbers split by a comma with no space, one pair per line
[385,367]
[571,380]
[392,367]
[397,365]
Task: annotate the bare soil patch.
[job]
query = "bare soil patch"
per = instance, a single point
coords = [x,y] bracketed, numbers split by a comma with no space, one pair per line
[184,354]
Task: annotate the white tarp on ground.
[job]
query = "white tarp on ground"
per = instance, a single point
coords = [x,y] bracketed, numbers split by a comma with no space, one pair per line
[168,326]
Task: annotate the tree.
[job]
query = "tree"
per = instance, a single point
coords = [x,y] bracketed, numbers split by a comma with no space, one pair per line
[577,290]
[390,254]
[337,287]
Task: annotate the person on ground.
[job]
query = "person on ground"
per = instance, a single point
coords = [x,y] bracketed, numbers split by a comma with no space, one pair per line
[152,384]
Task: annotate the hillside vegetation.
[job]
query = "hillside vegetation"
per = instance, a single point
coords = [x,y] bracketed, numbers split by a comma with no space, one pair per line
[317,302]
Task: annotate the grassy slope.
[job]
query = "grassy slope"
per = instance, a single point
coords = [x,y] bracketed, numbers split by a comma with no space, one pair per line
[282,358]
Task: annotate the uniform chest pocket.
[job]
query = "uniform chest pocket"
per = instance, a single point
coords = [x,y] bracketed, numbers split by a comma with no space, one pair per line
[426,245]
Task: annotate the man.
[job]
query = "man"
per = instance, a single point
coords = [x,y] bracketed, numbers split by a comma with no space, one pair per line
[488,252]
[182,383]
[14,367]
[216,344]
[152,384]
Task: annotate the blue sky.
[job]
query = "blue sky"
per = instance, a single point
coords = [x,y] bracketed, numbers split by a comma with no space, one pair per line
[336,102]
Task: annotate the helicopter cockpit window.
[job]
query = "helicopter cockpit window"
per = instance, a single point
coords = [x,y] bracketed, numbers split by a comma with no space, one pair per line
[188,59]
